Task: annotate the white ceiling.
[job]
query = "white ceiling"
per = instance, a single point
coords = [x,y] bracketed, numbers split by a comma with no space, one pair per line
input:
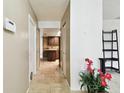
[53,10]
[49,10]
[111,9]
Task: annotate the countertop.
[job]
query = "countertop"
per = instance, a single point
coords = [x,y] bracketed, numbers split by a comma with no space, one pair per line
[51,49]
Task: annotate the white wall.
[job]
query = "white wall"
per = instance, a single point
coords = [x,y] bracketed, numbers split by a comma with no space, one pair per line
[111,9]
[111,24]
[86,35]
[16,46]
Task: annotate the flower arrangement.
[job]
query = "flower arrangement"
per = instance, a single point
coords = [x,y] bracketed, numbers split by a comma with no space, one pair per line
[93,79]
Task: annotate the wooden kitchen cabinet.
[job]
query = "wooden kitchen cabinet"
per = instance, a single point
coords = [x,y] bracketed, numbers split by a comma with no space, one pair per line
[51,48]
[51,55]
[53,41]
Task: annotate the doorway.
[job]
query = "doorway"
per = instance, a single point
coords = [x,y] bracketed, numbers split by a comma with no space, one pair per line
[32,47]
[51,48]
[50,45]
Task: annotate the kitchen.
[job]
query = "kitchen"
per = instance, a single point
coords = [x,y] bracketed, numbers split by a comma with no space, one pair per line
[51,44]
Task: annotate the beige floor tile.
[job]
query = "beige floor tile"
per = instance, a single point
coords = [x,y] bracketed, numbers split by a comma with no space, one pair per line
[49,79]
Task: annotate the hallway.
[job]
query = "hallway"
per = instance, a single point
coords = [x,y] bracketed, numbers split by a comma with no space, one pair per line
[77,23]
[49,79]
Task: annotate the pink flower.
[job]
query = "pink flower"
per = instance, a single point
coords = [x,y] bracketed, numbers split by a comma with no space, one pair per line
[102,77]
[89,68]
[108,76]
[89,62]
[103,84]
[100,72]
[89,65]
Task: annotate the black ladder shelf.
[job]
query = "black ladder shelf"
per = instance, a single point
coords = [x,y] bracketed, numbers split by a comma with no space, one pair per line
[111,59]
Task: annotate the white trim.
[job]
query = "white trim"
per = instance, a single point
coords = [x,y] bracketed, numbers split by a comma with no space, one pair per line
[67,83]
[27,90]
[29,45]
[31,20]
[49,24]
[35,49]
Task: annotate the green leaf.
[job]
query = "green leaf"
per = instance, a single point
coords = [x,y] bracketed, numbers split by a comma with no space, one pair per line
[82,86]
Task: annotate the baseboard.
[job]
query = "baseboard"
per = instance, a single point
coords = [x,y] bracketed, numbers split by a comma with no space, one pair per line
[67,83]
[27,90]
[64,76]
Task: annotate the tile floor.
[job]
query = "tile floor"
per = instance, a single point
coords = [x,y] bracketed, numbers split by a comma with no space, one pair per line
[115,83]
[49,79]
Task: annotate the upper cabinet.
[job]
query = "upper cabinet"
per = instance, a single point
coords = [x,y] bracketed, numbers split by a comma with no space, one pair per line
[53,41]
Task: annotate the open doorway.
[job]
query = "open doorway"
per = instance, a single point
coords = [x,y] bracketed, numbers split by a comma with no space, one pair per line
[50,44]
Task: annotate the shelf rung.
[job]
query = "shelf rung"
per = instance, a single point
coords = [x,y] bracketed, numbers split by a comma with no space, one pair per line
[107,32]
[110,50]
[110,40]
[114,59]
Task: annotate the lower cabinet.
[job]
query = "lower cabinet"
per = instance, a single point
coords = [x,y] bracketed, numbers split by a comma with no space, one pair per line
[51,55]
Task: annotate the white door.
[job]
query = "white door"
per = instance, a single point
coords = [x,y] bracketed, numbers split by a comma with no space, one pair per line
[32,47]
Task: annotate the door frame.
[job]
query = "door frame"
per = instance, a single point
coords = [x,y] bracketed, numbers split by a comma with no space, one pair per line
[63,49]
[30,20]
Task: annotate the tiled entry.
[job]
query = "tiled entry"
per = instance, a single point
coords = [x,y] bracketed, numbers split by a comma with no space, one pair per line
[49,79]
